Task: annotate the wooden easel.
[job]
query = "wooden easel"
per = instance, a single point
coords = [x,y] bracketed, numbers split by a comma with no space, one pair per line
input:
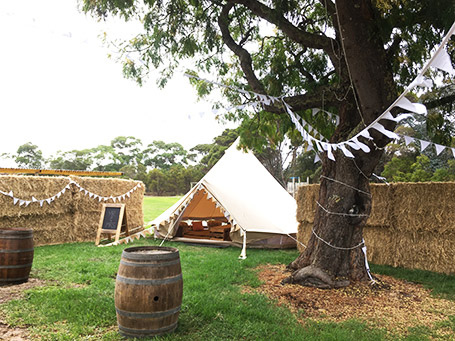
[112,222]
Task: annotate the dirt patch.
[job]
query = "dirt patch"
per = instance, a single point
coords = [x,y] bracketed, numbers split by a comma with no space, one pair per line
[393,304]
[14,292]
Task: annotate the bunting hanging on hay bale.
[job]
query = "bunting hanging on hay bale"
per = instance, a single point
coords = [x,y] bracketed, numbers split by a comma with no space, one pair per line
[49,200]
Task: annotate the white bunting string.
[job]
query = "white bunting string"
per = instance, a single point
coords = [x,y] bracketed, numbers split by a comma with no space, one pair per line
[344,184]
[440,60]
[23,202]
[338,247]
[130,238]
[341,214]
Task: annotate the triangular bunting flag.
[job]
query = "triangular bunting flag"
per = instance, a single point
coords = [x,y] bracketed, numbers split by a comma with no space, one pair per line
[41,202]
[353,145]
[439,148]
[388,116]
[379,127]
[345,151]
[11,194]
[442,61]
[329,153]
[34,199]
[317,158]
[453,151]
[414,107]
[366,134]
[15,200]
[361,145]
[421,81]
[408,140]
[423,145]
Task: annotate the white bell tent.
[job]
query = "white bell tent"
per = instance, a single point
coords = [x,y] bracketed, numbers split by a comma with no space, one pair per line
[239,195]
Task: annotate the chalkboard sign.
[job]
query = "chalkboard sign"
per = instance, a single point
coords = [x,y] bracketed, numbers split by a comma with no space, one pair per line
[111,218]
[112,221]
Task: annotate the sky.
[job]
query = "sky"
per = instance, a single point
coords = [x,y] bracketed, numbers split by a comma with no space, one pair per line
[59,90]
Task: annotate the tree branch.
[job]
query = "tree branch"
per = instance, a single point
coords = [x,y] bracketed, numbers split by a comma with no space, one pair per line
[244,56]
[440,101]
[296,34]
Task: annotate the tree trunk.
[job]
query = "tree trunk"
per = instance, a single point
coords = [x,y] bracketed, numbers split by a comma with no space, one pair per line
[334,254]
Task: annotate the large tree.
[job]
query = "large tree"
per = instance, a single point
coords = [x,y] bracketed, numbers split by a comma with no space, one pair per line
[349,57]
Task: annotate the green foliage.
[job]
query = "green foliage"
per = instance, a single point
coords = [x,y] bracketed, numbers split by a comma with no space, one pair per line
[73,160]
[163,155]
[211,153]
[304,167]
[29,156]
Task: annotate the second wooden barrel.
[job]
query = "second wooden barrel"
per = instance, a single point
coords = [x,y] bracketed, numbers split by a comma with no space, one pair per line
[148,291]
[16,255]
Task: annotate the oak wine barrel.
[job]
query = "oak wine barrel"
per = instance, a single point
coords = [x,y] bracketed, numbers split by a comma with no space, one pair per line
[16,255]
[148,291]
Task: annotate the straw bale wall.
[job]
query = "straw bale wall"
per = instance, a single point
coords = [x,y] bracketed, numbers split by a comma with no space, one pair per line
[74,216]
[411,225]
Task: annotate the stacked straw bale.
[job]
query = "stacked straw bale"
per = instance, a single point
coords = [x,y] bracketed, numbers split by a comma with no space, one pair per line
[412,225]
[74,216]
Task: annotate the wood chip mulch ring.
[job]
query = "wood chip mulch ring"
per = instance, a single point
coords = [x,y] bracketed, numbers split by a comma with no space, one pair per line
[395,305]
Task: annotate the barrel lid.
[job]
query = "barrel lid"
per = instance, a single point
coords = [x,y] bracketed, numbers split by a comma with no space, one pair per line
[154,252]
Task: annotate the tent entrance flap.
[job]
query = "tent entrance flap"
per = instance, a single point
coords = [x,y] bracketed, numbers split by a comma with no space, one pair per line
[203,208]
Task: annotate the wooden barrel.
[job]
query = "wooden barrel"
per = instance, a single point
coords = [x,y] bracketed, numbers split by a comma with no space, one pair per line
[148,291]
[16,255]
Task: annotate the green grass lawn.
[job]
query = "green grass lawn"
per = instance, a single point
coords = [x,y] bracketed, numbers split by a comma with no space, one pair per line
[154,206]
[77,301]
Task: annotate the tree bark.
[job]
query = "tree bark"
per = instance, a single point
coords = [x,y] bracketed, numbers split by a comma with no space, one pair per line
[334,256]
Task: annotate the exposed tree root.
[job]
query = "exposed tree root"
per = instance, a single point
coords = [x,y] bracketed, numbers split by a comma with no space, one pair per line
[312,276]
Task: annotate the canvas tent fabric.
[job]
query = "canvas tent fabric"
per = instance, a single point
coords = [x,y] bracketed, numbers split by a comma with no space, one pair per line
[240,190]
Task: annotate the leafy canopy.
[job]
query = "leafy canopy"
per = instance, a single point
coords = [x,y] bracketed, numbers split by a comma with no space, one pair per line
[277,47]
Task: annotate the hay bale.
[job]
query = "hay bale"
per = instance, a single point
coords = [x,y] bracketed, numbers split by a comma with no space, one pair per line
[29,187]
[89,209]
[413,250]
[303,234]
[73,216]
[381,209]
[423,206]
[411,225]
[306,202]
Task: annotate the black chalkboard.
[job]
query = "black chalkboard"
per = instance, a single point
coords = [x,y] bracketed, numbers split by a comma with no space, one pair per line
[112,222]
[111,217]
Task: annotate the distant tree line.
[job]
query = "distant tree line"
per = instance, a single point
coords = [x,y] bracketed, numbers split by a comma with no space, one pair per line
[169,169]
[165,168]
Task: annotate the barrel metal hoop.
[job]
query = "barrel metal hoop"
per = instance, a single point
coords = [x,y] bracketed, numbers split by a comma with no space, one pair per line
[135,281]
[3,236]
[142,257]
[14,279]
[142,315]
[150,265]
[16,266]
[15,251]
[132,331]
